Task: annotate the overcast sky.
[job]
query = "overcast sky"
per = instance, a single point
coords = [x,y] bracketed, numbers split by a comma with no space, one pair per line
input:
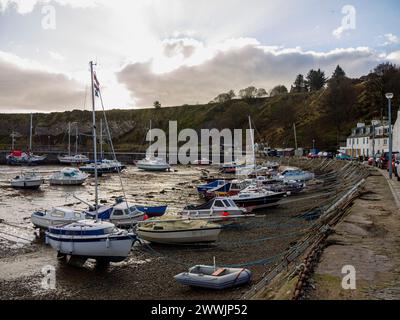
[181,51]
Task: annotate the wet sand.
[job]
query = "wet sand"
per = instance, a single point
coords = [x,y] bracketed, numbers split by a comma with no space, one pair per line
[149,270]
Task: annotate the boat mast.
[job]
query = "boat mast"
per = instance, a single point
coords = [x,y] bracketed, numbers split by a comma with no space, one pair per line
[94,142]
[12,140]
[252,146]
[30,135]
[69,139]
[101,138]
[76,139]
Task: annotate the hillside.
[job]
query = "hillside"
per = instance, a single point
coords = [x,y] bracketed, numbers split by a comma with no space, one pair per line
[326,115]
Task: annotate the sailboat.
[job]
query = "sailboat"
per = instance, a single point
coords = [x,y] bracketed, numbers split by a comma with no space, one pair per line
[151,163]
[91,238]
[18,157]
[76,158]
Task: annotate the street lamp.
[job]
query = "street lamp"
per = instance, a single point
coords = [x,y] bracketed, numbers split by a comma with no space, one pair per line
[389,96]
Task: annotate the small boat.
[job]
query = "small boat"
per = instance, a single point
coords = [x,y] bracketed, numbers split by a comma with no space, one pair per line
[27,180]
[272,165]
[152,211]
[75,159]
[17,157]
[121,214]
[105,166]
[217,207]
[230,188]
[296,175]
[55,217]
[211,185]
[176,230]
[91,239]
[153,164]
[212,277]
[68,176]
[253,199]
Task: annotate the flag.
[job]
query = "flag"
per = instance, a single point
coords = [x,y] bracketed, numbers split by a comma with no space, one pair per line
[96,85]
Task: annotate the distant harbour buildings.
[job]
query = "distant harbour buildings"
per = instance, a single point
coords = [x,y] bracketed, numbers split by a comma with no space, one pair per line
[367,140]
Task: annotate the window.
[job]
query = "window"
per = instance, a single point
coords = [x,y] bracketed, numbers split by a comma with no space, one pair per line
[227,203]
[218,203]
[385,141]
[58,214]
[118,212]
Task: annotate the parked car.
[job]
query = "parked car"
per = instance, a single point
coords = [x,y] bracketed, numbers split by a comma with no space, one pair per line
[384,159]
[312,155]
[270,152]
[343,156]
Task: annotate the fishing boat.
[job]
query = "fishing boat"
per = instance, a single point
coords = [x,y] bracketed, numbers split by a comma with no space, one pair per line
[217,207]
[91,238]
[68,176]
[27,180]
[17,157]
[230,188]
[55,217]
[253,199]
[178,230]
[121,214]
[211,277]
[153,164]
[211,185]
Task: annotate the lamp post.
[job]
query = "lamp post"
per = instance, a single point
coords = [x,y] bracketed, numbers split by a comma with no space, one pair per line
[389,96]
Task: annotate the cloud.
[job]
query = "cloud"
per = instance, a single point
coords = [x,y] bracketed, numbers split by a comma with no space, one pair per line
[56,56]
[27,6]
[234,67]
[390,39]
[24,85]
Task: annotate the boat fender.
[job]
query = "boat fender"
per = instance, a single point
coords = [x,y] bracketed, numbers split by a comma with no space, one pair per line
[46,240]
[108,242]
[145,217]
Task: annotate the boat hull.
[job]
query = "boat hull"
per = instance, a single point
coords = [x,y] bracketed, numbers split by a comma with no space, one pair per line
[234,277]
[114,248]
[64,182]
[150,167]
[34,184]
[205,235]
[259,202]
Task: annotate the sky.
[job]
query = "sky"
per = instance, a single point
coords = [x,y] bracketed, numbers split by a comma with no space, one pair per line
[181,51]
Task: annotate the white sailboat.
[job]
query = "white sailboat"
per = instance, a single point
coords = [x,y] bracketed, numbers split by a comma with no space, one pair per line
[76,158]
[151,163]
[90,238]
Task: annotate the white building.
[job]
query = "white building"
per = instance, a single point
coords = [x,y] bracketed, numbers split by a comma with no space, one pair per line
[366,140]
[396,133]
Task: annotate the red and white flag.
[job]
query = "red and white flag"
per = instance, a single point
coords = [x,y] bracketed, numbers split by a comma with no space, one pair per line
[96,85]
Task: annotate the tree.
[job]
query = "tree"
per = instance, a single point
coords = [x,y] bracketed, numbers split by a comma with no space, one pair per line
[299,85]
[157,104]
[231,94]
[316,79]
[261,93]
[248,93]
[338,73]
[222,97]
[278,90]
